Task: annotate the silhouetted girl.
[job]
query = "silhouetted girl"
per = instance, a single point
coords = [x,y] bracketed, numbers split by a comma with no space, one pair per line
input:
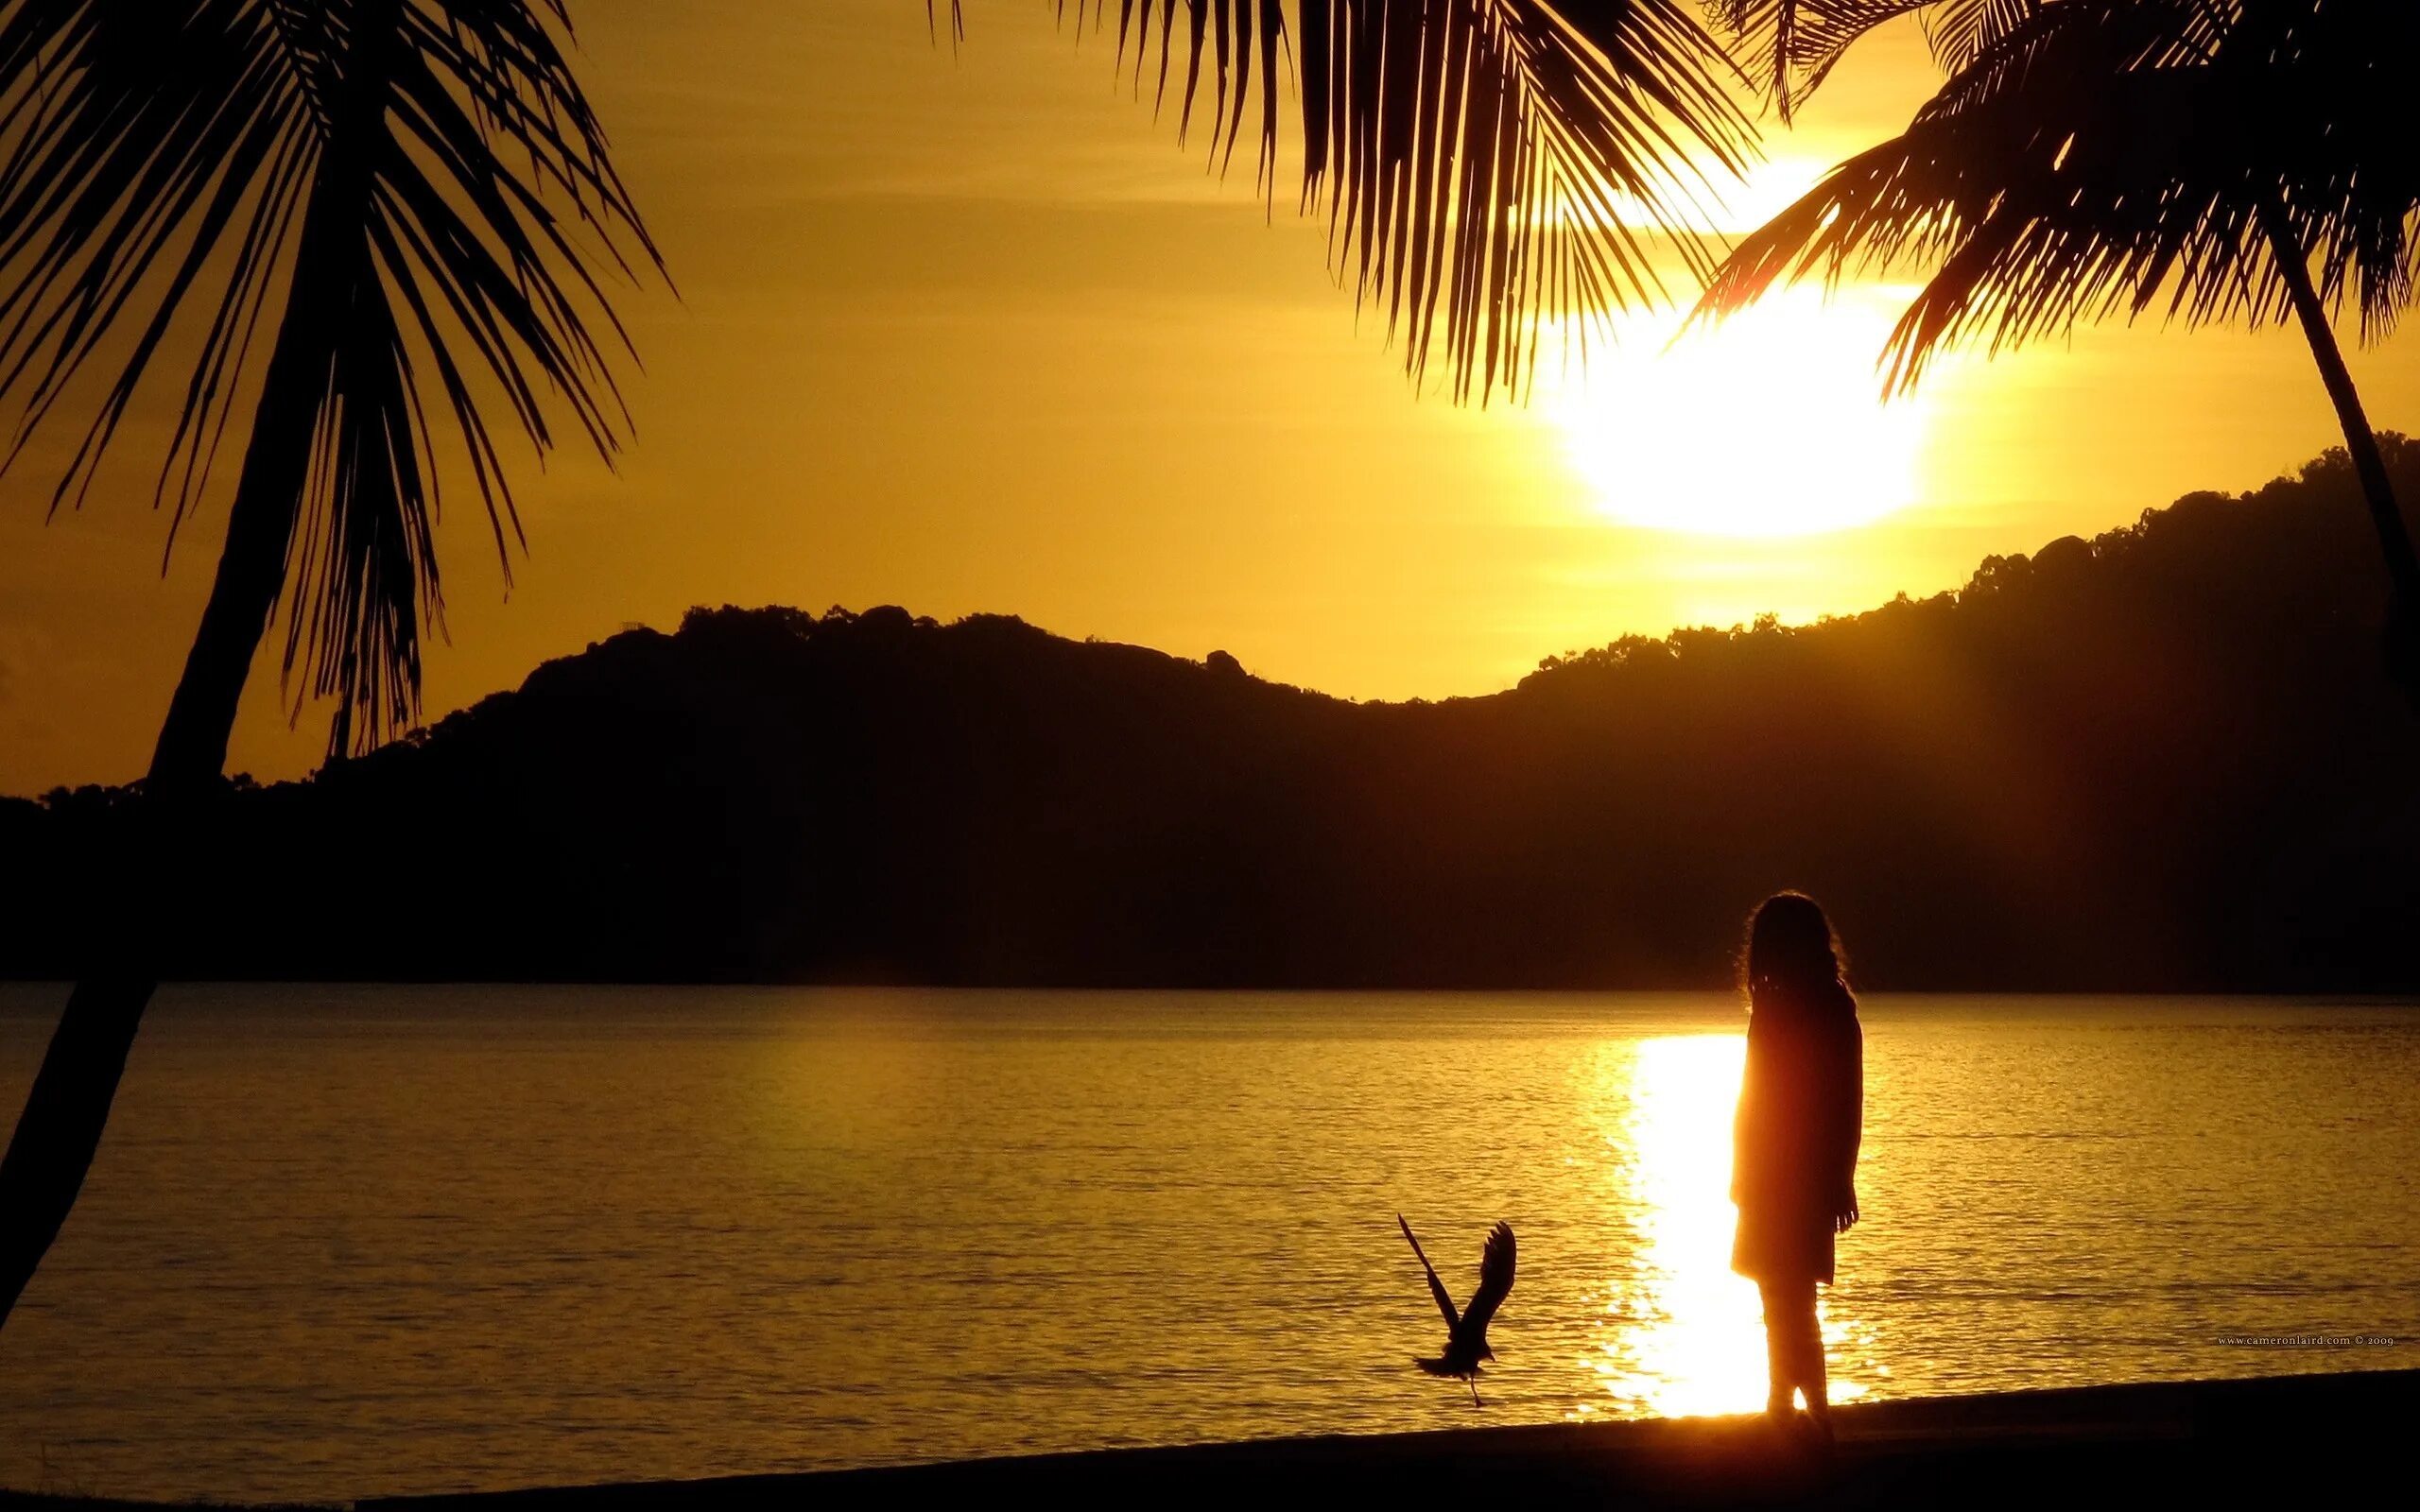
[1802,1107]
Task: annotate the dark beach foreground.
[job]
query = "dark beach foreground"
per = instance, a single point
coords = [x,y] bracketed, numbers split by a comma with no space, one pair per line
[2318,1439]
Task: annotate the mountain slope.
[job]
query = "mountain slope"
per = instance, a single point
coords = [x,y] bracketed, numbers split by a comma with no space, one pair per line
[2165,759]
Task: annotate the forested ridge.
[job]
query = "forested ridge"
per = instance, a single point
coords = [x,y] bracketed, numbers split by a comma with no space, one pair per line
[2166,759]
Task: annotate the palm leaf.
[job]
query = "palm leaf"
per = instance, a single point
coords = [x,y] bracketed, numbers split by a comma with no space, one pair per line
[1794,44]
[1962,30]
[413,194]
[1487,167]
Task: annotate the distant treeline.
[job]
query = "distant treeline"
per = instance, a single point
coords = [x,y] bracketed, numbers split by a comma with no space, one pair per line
[2165,759]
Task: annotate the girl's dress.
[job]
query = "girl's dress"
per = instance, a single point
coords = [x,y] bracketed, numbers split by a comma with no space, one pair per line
[1802,1106]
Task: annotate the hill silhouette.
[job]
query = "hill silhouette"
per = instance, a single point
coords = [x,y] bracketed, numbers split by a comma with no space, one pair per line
[2166,759]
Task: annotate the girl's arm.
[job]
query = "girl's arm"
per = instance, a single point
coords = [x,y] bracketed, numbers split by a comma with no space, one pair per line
[1851,1134]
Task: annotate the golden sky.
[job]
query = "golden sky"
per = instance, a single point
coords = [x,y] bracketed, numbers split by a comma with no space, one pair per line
[973,334]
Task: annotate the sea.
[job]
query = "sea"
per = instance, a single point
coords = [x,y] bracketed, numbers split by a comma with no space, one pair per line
[346,1240]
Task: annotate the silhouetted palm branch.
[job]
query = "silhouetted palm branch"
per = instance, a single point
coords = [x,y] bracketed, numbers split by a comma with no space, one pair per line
[1962,30]
[1791,45]
[413,194]
[2121,158]
[1794,44]
[1487,167]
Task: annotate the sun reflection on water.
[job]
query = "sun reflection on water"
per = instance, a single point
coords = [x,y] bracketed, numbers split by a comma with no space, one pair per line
[1681,1334]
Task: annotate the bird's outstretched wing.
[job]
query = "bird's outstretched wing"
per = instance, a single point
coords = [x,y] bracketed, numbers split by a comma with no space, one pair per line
[1436,1287]
[1494,1280]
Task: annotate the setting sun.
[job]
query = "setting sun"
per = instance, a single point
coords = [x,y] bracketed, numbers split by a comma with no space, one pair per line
[1770,423]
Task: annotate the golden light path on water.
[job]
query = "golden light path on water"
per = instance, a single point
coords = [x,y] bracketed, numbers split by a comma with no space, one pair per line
[1681,1335]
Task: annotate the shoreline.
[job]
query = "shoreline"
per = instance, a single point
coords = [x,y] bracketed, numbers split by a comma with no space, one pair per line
[2220,1441]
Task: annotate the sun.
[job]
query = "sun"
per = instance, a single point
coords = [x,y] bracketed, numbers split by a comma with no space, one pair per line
[1767,424]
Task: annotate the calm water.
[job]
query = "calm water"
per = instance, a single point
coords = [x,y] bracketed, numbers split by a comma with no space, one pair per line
[347,1241]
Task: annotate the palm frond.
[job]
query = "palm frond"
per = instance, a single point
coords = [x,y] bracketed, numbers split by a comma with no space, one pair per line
[2116,157]
[406,192]
[1961,31]
[2329,84]
[1487,167]
[1793,45]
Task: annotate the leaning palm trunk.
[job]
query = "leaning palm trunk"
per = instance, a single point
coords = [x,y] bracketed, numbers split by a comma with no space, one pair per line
[192,752]
[394,159]
[59,1131]
[2361,444]
[61,1127]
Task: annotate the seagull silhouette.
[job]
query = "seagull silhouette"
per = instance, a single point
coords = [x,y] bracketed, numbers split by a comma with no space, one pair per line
[1466,1331]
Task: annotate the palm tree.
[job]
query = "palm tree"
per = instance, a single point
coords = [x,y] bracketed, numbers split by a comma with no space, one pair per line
[411,194]
[2192,159]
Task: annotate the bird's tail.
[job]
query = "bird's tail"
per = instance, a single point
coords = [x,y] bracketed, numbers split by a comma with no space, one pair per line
[1439,1366]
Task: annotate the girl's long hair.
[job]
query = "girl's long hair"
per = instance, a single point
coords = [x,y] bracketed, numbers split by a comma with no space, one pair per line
[1794,957]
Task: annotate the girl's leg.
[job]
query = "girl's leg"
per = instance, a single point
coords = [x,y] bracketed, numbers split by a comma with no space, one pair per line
[1781,1346]
[1811,1374]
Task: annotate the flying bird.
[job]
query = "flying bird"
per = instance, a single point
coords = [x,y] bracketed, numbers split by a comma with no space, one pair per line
[1466,1331]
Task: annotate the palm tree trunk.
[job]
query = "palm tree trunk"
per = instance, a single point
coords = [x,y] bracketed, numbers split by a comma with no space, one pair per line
[59,1129]
[2361,444]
